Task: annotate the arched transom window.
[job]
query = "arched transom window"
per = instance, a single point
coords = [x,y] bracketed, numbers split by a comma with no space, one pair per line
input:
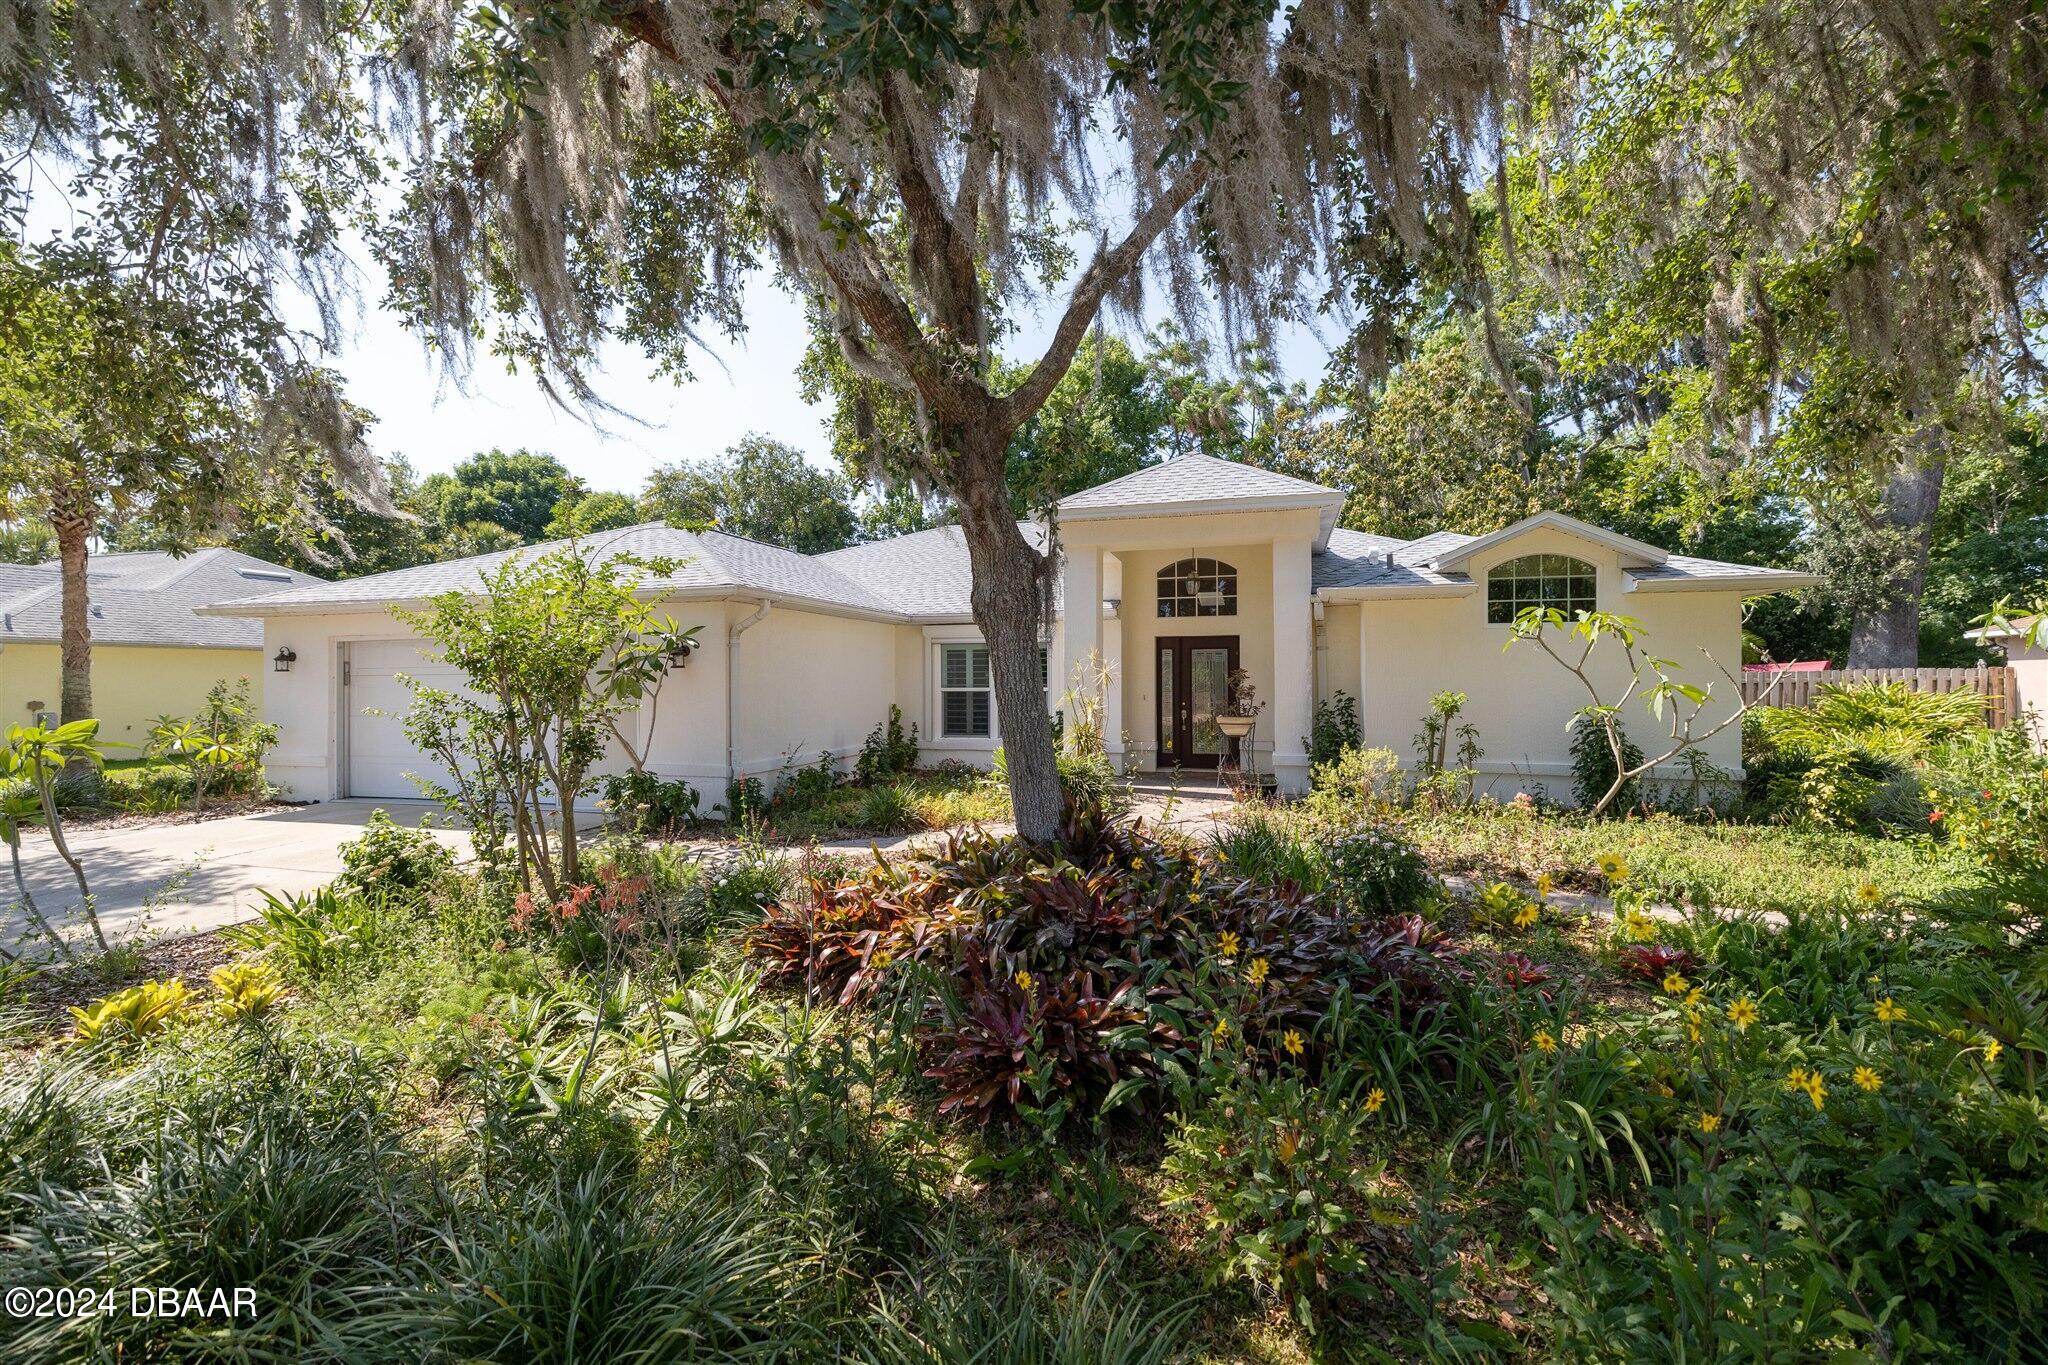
[1557,581]
[1198,587]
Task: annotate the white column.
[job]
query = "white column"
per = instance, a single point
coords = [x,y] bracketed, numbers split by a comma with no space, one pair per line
[1113,656]
[1082,618]
[1293,643]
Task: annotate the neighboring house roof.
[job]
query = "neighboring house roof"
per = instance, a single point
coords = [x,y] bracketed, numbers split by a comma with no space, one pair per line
[145,598]
[2016,628]
[1189,484]
[925,576]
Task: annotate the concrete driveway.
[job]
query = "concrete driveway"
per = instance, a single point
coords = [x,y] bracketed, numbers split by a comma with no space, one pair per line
[186,879]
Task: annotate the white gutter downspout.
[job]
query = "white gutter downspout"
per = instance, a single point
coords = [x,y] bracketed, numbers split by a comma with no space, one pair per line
[732,649]
[1319,660]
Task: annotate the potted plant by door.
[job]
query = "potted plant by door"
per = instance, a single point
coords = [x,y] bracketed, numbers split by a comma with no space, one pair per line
[1237,720]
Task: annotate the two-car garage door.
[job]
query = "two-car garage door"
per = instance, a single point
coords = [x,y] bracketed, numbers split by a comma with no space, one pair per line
[379,754]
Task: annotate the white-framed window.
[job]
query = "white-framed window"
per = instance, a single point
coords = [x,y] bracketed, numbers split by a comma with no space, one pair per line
[1556,581]
[967,691]
[1198,587]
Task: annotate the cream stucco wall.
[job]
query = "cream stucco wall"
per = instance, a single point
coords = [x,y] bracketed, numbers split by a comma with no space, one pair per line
[131,685]
[810,683]
[1520,699]
[1337,656]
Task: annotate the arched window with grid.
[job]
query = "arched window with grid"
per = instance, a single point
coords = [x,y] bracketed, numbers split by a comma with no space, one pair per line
[1198,587]
[1557,581]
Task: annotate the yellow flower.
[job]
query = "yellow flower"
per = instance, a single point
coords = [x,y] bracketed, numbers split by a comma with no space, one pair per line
[1889,1013]
[1709,1122]
[1870,893]
[1611,867]
[1256,970]
[1867,1078]
[1640,926]
[1527,915]
[1742,1014]
[1543,884]
[1375,1101]
[1692,1029]
[1023,979]
[1222,1029]
[1226,943]
[1991,1051]
[1291,1040]
[1544,1041]
[1286,1145]
[1810,1082]
[1694,998]
[1674,984]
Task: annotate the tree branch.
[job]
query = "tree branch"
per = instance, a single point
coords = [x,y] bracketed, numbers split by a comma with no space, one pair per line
[1016,407]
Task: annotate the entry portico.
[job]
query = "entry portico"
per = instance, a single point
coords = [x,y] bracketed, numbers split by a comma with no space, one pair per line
[1178,573]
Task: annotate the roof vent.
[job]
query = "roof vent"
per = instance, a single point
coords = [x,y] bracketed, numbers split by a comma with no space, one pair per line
[266,575]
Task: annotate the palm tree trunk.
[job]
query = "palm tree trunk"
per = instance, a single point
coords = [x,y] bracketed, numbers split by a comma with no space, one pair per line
[71,519]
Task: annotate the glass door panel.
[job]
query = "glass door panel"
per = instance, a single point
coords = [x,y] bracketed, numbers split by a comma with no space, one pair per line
[1208,691]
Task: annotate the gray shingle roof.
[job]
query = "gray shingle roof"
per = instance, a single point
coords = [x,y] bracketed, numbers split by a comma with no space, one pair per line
[146,598]
[1195,478]
[922,574]
[925,575]
[708,560]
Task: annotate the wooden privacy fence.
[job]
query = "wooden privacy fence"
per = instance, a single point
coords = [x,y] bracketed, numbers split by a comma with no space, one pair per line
[1995,685]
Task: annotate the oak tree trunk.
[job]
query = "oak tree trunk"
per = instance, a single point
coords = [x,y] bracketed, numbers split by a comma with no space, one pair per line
[1009,582]
[71,520]
[1888,635]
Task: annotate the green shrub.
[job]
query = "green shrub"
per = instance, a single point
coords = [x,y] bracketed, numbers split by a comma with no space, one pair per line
[887,808]
[391,859]
[127,1017]
[1275,1173]
[1357,783]
[645,804]
[1593,767]
[1334,731]
[1375,871]
[887,750]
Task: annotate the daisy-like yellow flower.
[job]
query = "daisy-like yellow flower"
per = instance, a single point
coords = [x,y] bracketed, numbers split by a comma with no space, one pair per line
[1375,1101]
[1810,1082]
[1023,979]
[1226,943]
[1870,893]
[1742,1013]
[1291,1041]
[1527,915]
[1611,867]
[1543,884]
[1693,1032]
[1640,926]
[1889,1013]
[1709,1122]
[1674,984]
[1867,1078]
[1544,1040]
[1991,1051]
[1694,998]
[1255,971]
[1222,1029]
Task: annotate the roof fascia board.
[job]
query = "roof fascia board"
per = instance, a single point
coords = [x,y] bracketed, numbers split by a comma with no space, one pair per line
[1557,521]
[1783,581]
[1393,591]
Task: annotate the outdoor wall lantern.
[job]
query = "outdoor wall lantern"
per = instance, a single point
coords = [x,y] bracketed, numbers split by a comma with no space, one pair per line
[286,657]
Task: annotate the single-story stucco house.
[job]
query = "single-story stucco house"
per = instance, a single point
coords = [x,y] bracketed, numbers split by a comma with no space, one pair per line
[2025,648]
[1172,576]
[153,652]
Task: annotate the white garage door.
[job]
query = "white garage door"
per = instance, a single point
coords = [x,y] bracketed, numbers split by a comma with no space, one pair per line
[379,754]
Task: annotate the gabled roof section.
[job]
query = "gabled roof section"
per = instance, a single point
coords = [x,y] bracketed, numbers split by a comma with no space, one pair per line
[1192,484]
[147,598]
[708,563]
[1634,553]
[1355,563]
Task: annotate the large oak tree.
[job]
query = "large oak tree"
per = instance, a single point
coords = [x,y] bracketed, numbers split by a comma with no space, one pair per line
[587,168]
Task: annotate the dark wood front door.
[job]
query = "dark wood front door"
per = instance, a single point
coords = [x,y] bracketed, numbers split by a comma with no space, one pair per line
[1194,683]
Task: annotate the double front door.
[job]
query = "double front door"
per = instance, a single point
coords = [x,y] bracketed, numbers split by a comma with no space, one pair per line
[1193,686]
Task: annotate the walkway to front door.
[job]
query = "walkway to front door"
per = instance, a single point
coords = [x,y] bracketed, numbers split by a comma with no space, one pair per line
[1194,685]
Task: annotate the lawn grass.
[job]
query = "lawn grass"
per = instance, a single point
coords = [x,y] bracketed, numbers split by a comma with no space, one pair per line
[1738,866]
